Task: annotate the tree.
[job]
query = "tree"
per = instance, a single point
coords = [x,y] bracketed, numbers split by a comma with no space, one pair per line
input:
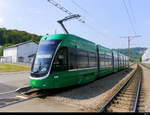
[1,51]
[11,37]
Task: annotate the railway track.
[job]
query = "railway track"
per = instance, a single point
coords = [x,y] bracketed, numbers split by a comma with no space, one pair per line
[127,97]
[27,93]
[24,96]
[146,65]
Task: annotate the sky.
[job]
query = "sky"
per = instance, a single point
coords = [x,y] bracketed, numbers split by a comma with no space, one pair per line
[106,21]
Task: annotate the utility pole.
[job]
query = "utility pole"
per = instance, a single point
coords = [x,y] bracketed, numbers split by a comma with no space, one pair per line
[129,45]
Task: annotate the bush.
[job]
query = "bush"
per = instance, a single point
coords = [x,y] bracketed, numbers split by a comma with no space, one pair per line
[1,51]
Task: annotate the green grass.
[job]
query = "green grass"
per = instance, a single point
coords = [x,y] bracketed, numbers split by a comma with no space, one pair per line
[12,68]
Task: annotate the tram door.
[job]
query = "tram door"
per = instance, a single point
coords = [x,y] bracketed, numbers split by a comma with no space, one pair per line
[59,67]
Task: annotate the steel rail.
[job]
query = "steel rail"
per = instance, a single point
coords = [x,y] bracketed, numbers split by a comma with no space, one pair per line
[146,66]
[103,109]
[28,93]
[138,93]
[19,98]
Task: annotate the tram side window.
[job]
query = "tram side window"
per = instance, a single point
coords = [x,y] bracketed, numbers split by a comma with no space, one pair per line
[102,60]
[116,61]
[60,61]
[72,58]
[123,61]
[106,60]
[119,61]
[126,62]
[110,61]
[82,59]
[92,60]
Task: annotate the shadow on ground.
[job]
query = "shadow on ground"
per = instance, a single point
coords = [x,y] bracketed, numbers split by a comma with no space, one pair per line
[93,89]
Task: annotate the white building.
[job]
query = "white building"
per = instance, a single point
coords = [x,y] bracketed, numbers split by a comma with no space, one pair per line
[146,56]
[20,52]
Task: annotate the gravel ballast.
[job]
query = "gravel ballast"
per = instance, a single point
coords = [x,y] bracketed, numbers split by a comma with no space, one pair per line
[92,96]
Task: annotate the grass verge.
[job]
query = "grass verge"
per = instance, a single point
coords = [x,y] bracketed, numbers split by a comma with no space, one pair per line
[12,68]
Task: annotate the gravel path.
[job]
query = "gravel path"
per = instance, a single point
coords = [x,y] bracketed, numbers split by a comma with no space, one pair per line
[11,81]
[146,88]
[15,79]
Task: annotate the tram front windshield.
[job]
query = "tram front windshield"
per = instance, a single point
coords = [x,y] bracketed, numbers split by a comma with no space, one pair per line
[42,61]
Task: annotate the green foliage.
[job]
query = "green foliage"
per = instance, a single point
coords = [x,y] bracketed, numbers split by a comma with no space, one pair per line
[136,53]
[12,68]
[11,37]
[1,51]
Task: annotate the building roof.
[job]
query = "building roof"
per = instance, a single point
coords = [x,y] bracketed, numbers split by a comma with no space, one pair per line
[19,44]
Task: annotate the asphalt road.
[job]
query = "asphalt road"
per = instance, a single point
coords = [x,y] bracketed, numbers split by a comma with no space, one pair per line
[11,81]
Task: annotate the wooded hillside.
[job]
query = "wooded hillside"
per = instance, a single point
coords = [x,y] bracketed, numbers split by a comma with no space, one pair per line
[136,53]
[11,37]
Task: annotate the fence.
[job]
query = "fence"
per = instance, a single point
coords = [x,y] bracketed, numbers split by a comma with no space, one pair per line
[8,60]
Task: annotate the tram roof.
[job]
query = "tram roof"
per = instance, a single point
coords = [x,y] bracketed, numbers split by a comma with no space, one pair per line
[63,36]
[76,38]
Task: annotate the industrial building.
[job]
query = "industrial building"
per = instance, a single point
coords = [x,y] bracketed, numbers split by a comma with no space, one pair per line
[21,52]
[146,56]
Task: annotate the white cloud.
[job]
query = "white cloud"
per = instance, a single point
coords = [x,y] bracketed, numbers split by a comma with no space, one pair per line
[1,20]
